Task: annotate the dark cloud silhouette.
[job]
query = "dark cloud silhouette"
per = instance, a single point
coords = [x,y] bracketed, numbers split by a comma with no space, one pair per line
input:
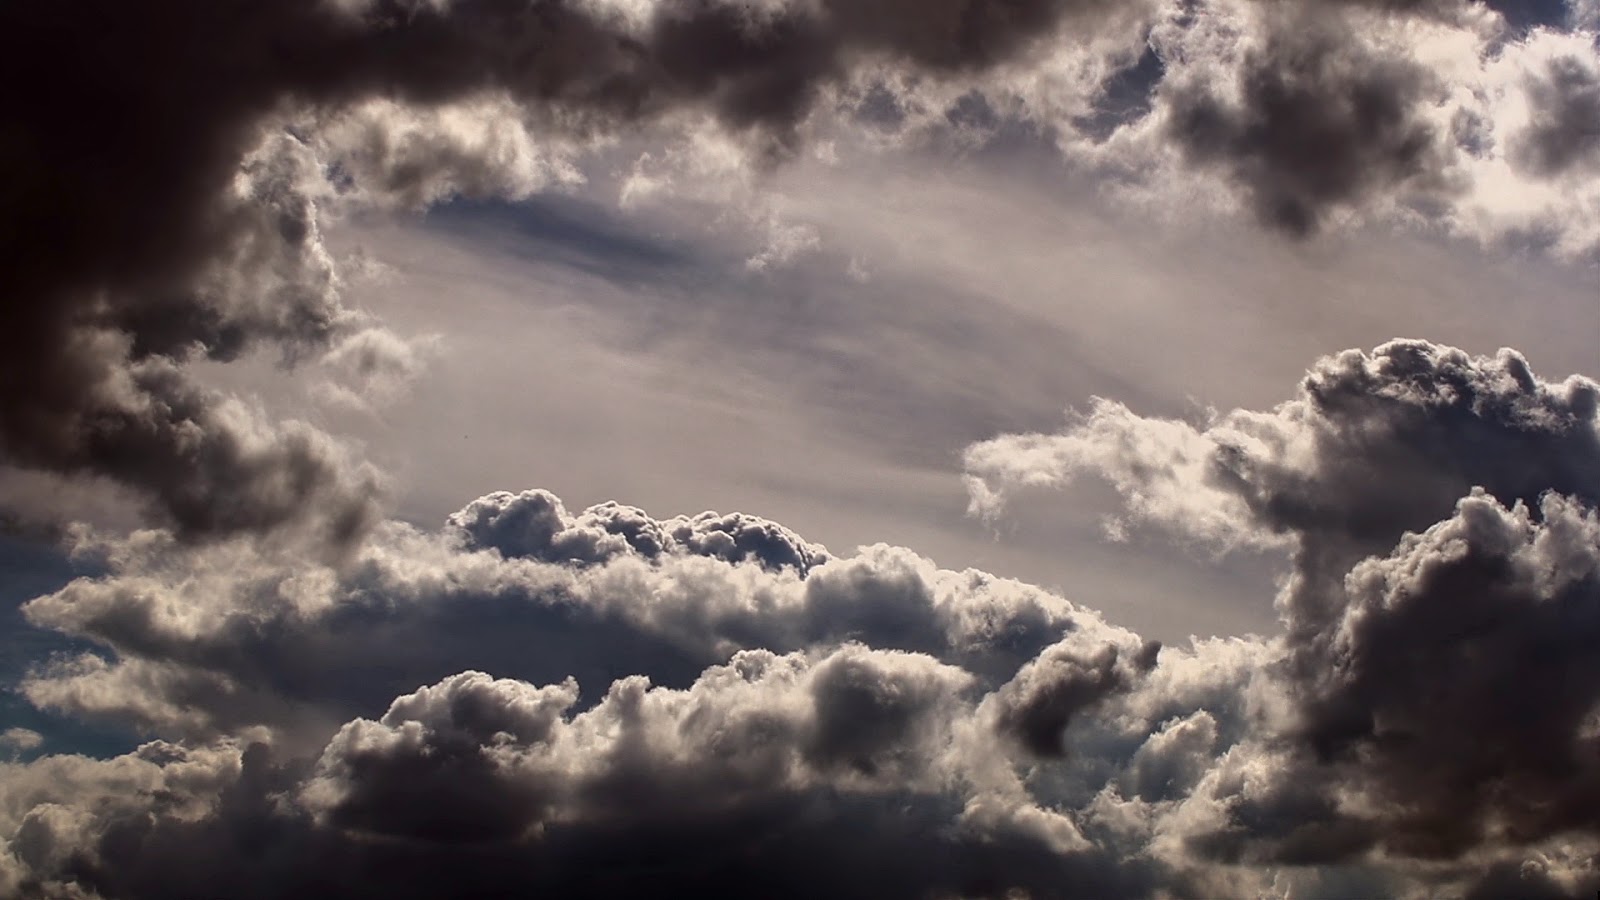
[778,775]
[741,723]
[205,641]
[1318,123]
[1563,132]
[169,161]
[164,182]
[1036,707]
[1460,677]
[1439,513]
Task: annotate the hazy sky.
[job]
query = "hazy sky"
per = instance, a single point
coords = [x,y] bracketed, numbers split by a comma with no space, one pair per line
[1150,446]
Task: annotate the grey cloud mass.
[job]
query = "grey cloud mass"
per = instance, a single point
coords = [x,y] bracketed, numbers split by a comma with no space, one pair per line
[1439,512]
[1562,133]
[256,640]
[172,164]
[531,700]
[1318,123]
[163,202]
[590,702]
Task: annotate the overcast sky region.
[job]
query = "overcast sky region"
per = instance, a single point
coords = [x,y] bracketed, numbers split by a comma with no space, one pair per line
[800,448]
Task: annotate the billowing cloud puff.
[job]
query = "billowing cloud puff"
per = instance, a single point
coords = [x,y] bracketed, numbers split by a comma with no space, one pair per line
[763,725]
[1457,680]
[1439,509]
[535,525]
[604,703]
[1375,445]
[1065,680]
[211,639]
[1309,119]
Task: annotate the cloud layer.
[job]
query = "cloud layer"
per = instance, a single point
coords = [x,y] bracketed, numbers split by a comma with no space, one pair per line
[602,702]
[591,702]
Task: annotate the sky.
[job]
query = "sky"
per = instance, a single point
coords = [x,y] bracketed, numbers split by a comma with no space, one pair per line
[958,448]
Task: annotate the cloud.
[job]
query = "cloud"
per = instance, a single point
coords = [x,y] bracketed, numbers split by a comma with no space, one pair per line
[1066,679]
[202,642]
[97,385]
[714,704]
[1374,445]
[1309,120]
[197,233]
[1564,103]
[536,525]
[692,791]
[1440,513]
[1504,598]
[603,702]
[371,369]
[173,175]
[864,720]
[21,740]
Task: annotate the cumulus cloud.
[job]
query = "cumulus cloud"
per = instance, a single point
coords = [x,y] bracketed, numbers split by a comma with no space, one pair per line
[1455,676]
[1439,509]
[578,702]
[1564,102]
[1374,445]
[603,702]
[1309,120]
[769,706]
[205,641]
[1065,680]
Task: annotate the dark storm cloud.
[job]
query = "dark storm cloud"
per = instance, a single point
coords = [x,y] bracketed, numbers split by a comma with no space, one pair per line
[1563,132]
[166,164]
[1317,124]
[1439,511]
[868,726]
[1036,707]
[150,212]
[1453,706]
[760,725]
[1461,676]
[770,839]
[94,338]
[789,776]
[1401,434]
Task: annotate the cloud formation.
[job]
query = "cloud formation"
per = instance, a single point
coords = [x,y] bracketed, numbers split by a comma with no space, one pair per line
[1439,512]
[213,640]
[174,171]
[588,702]
[601,702]
[1316,121]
